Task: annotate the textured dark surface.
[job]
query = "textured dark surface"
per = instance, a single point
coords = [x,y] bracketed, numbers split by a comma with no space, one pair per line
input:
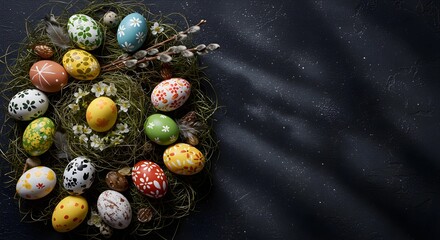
[330,127]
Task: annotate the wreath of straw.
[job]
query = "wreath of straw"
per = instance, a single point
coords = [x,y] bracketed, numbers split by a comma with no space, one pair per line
[132,84]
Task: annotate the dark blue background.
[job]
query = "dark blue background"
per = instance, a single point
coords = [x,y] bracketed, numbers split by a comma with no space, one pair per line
[330,123]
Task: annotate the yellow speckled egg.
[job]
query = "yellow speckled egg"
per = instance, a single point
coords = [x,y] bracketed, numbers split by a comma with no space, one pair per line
[101,114]
[69,213]
[81,65]
[38,136]
[183,159]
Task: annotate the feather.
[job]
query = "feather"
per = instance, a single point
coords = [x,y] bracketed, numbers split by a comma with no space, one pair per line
[60,141]
[56,33]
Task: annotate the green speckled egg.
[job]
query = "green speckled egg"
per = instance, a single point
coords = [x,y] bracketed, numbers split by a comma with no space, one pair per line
[38,136]
[161,129]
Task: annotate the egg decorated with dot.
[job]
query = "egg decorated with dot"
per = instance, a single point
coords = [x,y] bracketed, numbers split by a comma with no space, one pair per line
[110,19]
[69,213]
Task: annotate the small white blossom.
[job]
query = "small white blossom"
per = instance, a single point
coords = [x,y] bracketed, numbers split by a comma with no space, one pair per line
[80,94]
[94,220]
[124,105]
[156,28]
[111,90]
[157,140]
[83,138]
[140,37]
[74,107]
[151,125]
[97,142]
[122,128]
[116,140]
[163,116]
[78,129]
[99,89]
[87,130]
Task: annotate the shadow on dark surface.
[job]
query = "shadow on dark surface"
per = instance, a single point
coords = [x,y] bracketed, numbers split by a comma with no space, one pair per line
[331,125]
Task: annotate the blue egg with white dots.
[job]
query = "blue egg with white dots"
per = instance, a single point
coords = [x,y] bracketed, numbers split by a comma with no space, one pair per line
[132,32]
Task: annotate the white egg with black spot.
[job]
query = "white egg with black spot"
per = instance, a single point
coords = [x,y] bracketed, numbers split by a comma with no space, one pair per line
[28,104]
[110,19]
[79,175]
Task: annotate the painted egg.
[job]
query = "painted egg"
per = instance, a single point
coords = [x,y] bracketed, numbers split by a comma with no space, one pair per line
[114,209]
[149,179]
[38,136]
[28,104]
[110,19]
[78,175]
[161,129]
[48,76]
[84,31]
[183,159]
[101,114]
[36,183]
[170,94]
[132,32]
[69,213]
[81,64]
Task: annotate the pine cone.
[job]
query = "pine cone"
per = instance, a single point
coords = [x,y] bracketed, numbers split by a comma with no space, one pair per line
[44,51]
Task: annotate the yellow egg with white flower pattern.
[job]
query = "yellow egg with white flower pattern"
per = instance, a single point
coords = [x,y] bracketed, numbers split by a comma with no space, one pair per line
[101,114]
[81,64]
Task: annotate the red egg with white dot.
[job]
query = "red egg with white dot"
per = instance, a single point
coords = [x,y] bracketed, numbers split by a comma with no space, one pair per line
[48,76]
[149,179]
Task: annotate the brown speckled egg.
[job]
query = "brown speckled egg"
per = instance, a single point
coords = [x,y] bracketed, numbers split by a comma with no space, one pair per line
[116,181]
[48,76]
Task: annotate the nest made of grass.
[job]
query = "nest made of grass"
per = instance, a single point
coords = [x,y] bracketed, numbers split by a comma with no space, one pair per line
[133,85]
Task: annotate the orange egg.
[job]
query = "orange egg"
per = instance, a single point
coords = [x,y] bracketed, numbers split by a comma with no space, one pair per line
[101,114]
[48,76]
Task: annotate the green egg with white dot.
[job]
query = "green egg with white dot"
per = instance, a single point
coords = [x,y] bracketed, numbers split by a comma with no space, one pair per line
[161,129]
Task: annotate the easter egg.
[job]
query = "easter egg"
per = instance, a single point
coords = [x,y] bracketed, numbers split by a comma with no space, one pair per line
[132,32]
[28,104]
[114,209]
[78,175]
[170,94]
[149,179]
[84,31]
[36,183]
[101,114]
[48,76]
[69,213]
[81,64]
[183,159]
[110,19]
[161,129]
[38,136]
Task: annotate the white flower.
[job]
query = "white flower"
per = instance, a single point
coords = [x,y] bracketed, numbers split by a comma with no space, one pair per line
[163,116]
[156,28]
[99,89]
[135,22]
[122,128]
[173,138]
[94,220]
[111,90]
[121,30]
[87,130]
[127,46]
[80,94]
[96,142]
[78,129]
[165,128]
[83,138]
[157,140]
[140,37]
[124,105]
[116,140]
[151,125]
[74,107]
